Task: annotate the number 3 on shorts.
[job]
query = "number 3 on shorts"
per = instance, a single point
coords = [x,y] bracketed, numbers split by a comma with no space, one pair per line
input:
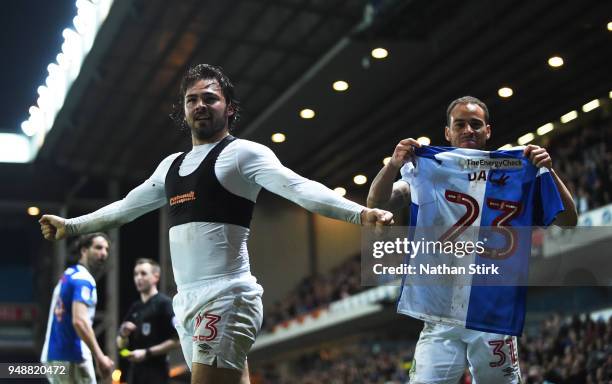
[497,351]
[209,325]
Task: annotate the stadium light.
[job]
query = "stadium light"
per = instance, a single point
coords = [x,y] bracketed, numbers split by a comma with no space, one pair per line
[27,128]
[339,190]
[555,61]
[278,138]
[360,179]
[591,105]
[379,53]
[424,140]
[386,160]
[340,85]
[505,92]
[78,41]
[505,146]
[569,117]
[307,113]
[545,129]
[526,138]
[15,148]
[33,211]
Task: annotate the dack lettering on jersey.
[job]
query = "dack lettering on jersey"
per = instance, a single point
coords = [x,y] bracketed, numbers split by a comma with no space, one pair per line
[483,176]
[477,176]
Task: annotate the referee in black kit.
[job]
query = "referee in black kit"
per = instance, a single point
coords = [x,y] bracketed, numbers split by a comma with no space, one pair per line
[148,330]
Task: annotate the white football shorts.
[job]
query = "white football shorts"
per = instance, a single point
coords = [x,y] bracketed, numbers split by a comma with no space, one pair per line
[443,352]
[218,320]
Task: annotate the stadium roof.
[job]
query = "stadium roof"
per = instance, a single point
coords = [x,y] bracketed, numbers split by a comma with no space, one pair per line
[284,55]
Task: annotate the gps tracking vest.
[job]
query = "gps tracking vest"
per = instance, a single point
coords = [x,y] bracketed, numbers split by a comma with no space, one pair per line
[200,197]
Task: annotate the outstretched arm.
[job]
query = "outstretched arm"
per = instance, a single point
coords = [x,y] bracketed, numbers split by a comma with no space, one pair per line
[146,197]
[142,199]
[259,165]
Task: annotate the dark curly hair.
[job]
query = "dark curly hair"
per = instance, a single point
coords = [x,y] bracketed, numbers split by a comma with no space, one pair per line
[200,72]
[83,241]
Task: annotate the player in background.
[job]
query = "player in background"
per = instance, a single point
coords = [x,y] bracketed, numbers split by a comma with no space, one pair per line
[444,348]
[148,329]
[70,340]
[211,192]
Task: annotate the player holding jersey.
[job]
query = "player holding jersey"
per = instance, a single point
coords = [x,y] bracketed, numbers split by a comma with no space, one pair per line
[211,191]
[70,340]
[473,324]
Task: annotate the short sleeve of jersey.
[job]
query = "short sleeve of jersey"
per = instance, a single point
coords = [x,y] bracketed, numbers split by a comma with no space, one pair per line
[84,291]
[424,161]
[547,204]
[128,316]
[408,173]
[418,175]
[168,328]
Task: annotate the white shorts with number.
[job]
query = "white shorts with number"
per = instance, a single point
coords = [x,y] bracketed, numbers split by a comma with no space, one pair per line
[443,352]
[218,320]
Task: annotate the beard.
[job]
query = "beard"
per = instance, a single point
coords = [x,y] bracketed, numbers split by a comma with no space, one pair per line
[96,269]
[207,130]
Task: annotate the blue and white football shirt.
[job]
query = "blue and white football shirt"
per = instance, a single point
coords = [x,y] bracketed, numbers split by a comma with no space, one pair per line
[455,187]
[62,342]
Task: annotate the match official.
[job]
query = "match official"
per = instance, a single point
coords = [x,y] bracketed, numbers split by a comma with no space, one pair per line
[148,328]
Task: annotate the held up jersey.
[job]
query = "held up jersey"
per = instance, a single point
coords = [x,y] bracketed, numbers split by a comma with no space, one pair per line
[62,342]
[459,188]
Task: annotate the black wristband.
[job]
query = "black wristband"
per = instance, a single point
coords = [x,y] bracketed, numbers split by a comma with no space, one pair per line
[148,353]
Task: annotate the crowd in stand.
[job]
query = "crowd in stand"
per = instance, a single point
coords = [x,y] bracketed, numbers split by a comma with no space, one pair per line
[583,158]
[568,352]
[315,292]
[366,362]
[572,351]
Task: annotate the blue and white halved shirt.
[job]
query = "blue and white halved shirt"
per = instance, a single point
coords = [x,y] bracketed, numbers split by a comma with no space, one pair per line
[61,341]
[455,187]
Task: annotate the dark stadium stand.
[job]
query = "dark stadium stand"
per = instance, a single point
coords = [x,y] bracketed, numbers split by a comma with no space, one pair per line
[576,349]
[564,350]
[584,158]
